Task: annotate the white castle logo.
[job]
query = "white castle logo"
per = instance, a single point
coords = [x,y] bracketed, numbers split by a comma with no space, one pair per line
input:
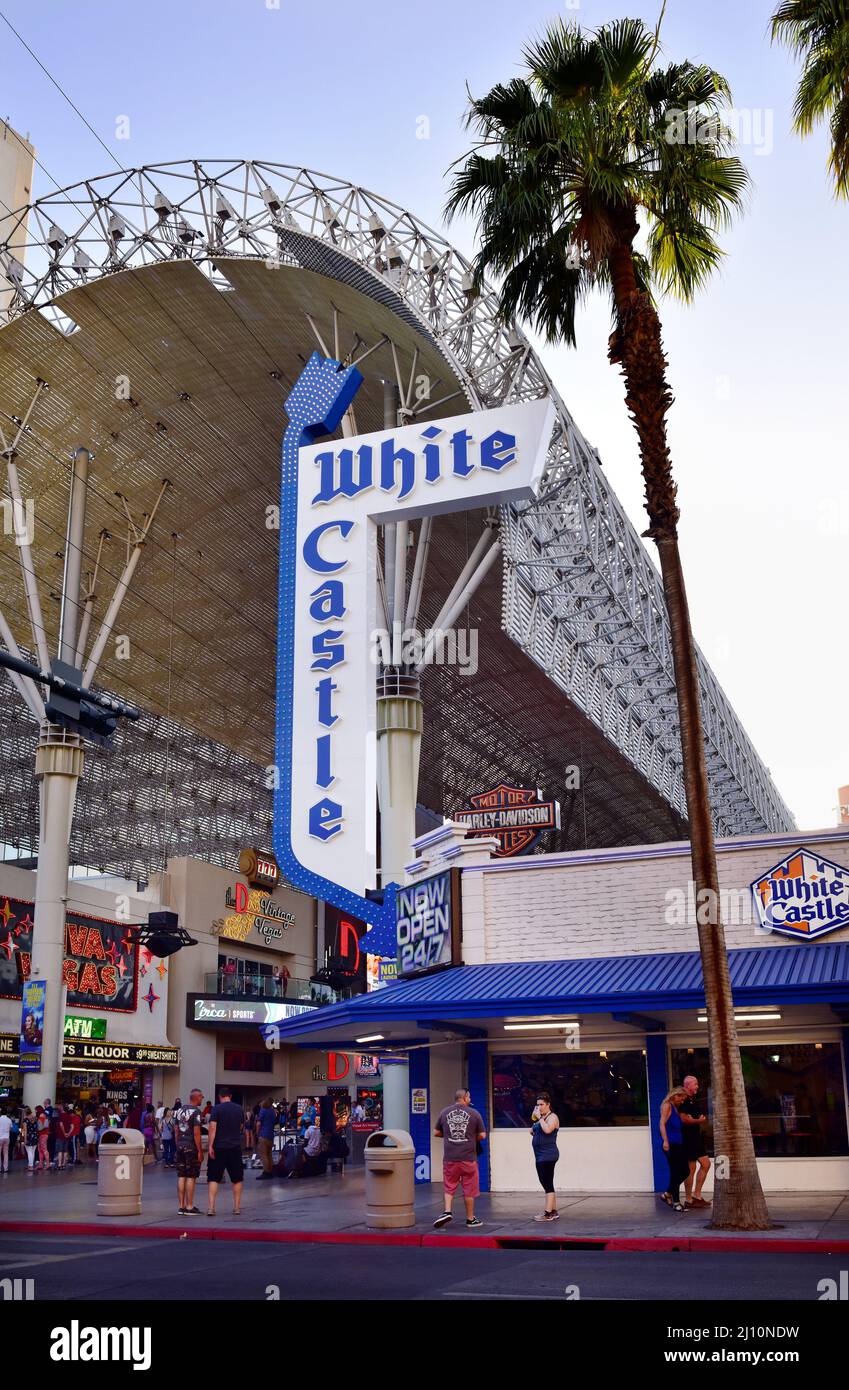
[803,896]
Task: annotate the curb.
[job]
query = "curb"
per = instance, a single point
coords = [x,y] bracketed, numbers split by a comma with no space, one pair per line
[707,1245]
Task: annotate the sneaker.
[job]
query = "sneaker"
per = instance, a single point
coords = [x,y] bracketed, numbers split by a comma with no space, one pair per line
[443,1219]
[473,1222]
[181,1211]
[191,1211]
[548,1216]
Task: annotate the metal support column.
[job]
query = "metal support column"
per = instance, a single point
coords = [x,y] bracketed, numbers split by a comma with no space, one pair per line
[420,1122]
[399,707]
[657,1072]
[477,1065]
[58,768]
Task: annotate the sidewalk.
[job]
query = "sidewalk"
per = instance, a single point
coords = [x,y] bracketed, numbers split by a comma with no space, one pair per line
[332,1209]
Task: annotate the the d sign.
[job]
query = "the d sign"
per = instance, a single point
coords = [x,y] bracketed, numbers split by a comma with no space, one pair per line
[333,495]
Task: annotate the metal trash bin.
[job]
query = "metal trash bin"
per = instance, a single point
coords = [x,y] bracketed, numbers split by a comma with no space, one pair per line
[389,1158]
[120,1170]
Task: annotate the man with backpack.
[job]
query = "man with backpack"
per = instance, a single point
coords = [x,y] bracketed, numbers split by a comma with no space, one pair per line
[187,1134]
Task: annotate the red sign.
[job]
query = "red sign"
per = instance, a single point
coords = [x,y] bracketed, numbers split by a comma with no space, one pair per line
[516,816]
[100,966]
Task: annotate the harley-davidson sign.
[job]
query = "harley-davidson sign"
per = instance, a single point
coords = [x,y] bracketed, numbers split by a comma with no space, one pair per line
[516,816]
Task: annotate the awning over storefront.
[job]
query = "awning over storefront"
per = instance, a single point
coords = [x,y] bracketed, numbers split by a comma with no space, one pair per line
[803,974]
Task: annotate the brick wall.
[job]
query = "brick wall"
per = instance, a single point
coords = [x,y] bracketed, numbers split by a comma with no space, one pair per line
[617,902]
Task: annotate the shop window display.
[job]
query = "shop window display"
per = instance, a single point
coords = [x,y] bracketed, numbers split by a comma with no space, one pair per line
[795,1094]
[588,1089]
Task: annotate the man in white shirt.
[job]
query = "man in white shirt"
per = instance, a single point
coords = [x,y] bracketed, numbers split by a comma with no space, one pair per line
[5,1135]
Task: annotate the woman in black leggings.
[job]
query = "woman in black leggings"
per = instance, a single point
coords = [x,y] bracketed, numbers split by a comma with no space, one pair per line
[546,1153]
[672,1134]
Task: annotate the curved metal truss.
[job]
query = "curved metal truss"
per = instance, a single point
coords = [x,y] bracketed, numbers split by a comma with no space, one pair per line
[581,595]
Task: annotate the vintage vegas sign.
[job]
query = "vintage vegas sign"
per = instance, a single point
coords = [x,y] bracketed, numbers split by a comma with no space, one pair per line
[334,494]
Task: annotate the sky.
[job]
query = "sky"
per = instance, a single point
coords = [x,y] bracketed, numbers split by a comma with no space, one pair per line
[758,363]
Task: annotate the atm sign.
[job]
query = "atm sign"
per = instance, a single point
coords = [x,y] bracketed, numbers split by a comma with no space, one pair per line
[90,1029]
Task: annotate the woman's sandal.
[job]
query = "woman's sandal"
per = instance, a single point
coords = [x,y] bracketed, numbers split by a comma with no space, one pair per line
[665,1197]
[676,1206]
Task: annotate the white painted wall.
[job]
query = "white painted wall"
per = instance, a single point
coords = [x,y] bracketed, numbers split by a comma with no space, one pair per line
[615,902]
[591,1160]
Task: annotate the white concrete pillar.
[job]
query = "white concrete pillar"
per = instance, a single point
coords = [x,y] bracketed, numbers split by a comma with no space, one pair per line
[58,767]
[396,1095]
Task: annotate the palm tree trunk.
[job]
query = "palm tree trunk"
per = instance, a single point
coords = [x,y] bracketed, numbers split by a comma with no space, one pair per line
[636,346]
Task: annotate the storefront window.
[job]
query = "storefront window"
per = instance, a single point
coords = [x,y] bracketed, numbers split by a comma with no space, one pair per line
[795,1094]
[587,1089]
[238,1060]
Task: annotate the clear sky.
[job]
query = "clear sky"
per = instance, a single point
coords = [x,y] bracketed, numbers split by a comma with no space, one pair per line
[758,364]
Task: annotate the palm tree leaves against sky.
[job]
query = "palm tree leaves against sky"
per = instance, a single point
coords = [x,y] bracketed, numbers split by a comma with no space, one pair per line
[818,32]
[596,139]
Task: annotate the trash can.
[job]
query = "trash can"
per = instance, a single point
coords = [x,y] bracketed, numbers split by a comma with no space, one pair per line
[120,1169]
[389,1156]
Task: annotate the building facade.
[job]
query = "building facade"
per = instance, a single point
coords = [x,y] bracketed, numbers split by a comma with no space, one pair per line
[579,974]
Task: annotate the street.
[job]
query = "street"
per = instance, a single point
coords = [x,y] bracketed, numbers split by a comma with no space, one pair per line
[90,1269]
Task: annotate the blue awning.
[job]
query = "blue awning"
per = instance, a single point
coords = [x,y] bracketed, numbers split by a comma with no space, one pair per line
[793,974]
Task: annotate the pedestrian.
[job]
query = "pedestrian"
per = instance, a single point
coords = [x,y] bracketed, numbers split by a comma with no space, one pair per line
[30,1133]
[187,1129]
[5,1136]
[315,1160]
[74,1141]
[250,1132]
[148,1130]
[285,977]
[15,1134]
[64,1132]
[265,1141]
[461,1129]
[546,1153]
[42,1120]
[90,1136]
[671,1132]
[166,1131]
[692,1119]
[135,1116]
[224,1154]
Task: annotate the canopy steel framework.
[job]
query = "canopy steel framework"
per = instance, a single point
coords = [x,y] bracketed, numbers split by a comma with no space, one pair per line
[111,269]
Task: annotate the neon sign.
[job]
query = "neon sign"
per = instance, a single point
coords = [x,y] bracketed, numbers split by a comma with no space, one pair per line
[333,497]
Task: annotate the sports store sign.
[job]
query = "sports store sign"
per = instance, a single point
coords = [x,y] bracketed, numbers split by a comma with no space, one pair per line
[333,497]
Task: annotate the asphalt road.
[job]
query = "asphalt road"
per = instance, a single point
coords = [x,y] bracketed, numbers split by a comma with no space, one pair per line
[80,1269]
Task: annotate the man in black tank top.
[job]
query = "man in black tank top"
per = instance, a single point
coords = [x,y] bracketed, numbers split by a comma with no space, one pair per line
[692,1114]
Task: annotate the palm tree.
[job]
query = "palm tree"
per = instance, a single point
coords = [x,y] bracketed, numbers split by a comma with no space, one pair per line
[818,32]
[596,136]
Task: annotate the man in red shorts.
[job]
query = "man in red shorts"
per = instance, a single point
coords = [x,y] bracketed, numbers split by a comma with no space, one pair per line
[460,1127]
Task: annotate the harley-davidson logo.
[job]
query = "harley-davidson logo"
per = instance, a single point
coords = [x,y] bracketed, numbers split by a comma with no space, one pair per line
[516,816]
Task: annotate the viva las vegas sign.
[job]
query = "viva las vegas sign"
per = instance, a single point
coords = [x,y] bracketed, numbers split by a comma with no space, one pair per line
[334,494]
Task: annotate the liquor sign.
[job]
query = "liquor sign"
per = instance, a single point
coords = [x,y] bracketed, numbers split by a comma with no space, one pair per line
[804,895]
[100,967]
[78,1027]
[333,496]
[427,924]
[32,1025]
[106,1056]
[516,816]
